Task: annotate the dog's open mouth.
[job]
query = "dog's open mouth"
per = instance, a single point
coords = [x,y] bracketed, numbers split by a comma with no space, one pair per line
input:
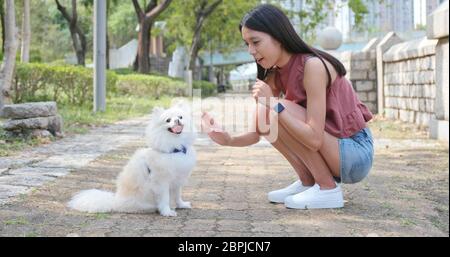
[177,129]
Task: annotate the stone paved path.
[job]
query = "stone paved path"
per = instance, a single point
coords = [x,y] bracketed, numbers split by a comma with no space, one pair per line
[406,193]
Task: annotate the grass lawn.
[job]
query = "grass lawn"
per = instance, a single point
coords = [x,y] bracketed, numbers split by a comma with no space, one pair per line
[80,119]
[396,129]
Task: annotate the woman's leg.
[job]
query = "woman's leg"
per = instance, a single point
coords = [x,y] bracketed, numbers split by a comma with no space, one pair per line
[302,171]
[322,165]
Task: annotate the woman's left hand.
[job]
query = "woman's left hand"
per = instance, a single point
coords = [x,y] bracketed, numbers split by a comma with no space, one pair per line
[262,89]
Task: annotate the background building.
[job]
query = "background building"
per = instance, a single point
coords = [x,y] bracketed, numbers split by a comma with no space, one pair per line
[405,17]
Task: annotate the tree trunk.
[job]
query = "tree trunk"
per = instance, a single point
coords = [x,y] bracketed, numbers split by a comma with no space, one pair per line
[201,14]
[9,58]
[2,16]
[107,50]
[193,51]
[79,43]
[143,59]
[78,37]
[146,18]
[26,33]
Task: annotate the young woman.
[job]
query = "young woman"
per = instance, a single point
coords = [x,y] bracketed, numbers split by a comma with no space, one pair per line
[322,128]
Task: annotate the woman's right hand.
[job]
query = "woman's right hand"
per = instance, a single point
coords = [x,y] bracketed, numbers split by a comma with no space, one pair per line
[214,131]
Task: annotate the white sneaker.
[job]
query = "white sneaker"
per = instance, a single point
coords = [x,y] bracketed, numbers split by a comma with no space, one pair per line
[279,195]
[315,198]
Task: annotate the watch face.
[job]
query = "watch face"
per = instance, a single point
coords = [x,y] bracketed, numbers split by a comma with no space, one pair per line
[279,108]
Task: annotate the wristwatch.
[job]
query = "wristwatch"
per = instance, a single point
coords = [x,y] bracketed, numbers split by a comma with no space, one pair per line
[278,108]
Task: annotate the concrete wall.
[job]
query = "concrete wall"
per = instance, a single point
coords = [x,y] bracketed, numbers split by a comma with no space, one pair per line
[437,28]
[124,57]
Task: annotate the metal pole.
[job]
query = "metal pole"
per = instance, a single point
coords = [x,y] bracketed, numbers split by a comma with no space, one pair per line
[99,55]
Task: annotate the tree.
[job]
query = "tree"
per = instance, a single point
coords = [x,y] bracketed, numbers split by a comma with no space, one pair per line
[146,18]
[122,24]
[26,32]
[77,34]
[216,31]
[2,17]
[89,4]
[109,6]
[9,58]
[312,17]
[359,9]
[202,12]
[313,12]
[222,31]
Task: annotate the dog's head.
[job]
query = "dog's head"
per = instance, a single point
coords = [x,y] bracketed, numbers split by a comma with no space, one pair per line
[170,128]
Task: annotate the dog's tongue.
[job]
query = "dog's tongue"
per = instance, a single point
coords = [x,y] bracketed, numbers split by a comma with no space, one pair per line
[177,128]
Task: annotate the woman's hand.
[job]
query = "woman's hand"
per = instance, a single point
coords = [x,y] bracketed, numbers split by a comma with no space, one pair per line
[214,131]
[262,89]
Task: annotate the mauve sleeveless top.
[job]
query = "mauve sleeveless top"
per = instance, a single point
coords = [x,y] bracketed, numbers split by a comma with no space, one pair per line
[345,113]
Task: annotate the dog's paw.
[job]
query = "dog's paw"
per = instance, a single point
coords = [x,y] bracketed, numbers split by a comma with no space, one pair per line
[168,213]
[184,205]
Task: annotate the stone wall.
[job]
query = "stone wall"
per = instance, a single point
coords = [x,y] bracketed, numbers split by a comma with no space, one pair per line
[39,119]
[409,81]
[362,72]
[159,64]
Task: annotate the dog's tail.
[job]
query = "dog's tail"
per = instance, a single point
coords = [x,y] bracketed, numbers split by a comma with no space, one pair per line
[93,200]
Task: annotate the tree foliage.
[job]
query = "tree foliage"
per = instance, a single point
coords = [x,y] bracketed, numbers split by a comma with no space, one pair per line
[220,30]
[313,13]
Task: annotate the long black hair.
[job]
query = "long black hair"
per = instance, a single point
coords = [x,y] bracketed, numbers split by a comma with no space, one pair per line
[271,20]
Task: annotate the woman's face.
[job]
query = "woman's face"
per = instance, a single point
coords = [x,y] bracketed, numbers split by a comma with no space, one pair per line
[263,47]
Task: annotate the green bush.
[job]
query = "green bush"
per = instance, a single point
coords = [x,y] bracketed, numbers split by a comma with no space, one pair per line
[129,71]
[35,55]
[124,71]
[43,82]
[207,87]
[73,85]
[150,85]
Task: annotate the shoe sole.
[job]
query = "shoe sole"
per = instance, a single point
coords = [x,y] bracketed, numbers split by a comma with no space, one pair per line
[316,205]
[271,201]
[281,201]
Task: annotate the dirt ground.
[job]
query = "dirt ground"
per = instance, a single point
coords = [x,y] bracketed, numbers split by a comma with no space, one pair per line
[405,194]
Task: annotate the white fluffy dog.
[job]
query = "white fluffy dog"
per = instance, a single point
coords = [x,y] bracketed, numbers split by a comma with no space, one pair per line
[153,177]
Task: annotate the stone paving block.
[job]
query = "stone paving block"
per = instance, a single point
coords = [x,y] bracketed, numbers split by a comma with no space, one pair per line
[267,227]
[25,180]
[234,225]
[161,233]
[232,214]
[196,233]
[200,224]
[36,171]
[238,206]
[9,190]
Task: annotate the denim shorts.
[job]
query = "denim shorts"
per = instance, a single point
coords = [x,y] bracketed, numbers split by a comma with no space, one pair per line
[356,156]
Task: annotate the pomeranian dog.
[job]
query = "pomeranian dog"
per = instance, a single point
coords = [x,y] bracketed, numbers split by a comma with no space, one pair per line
[153,178]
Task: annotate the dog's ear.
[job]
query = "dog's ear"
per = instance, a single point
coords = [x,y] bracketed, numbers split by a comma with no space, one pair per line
[157,111]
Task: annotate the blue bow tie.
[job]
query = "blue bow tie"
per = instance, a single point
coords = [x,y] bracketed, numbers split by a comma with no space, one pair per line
[183,149]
